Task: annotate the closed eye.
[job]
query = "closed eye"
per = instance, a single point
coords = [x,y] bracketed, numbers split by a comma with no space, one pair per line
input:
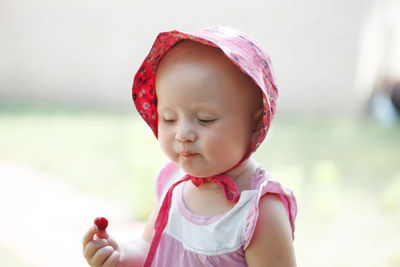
[203,121]
[169,120]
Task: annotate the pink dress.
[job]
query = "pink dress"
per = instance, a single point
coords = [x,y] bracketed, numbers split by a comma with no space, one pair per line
[193,240]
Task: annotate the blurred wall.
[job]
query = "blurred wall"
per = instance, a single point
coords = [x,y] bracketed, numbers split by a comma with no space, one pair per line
[86,52]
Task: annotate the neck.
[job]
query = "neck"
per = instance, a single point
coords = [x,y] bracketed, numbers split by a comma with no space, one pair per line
[243,174]
[237,172]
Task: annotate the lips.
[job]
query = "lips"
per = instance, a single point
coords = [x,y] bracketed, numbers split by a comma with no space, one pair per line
[187,154]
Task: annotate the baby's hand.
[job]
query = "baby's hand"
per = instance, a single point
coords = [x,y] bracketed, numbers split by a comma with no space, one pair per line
[100,249]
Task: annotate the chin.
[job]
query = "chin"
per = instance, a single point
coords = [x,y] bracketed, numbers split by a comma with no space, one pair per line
[196,173]
[193,173]
[200,173]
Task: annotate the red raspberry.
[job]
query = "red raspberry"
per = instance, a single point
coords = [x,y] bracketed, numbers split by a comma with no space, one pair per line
[101,223]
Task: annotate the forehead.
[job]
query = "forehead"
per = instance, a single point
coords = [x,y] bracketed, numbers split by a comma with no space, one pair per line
[191,67]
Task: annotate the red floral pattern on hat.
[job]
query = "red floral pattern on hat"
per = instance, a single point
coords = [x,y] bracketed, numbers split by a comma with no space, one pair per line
[240,48]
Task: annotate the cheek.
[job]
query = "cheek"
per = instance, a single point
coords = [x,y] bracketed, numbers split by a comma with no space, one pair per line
[234,141]
[244,133]
[223,142]
[164,139]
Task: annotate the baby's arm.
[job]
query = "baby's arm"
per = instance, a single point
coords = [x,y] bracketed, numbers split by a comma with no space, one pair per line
[136,250]
[104,251]
[271,244]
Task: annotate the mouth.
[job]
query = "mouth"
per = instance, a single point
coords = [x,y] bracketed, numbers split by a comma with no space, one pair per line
[186,154]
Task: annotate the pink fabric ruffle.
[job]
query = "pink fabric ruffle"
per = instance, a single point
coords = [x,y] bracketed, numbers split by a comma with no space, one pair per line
[163,176]
[287,198]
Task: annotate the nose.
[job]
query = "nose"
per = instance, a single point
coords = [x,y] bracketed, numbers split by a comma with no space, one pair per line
[185,133]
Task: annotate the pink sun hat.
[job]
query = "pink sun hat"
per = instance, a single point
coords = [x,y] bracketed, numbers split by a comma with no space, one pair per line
[239,47]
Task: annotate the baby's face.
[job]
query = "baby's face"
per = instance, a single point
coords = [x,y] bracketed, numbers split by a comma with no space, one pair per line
[207,109]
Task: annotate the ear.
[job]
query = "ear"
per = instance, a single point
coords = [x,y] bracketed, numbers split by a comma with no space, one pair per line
[256,123]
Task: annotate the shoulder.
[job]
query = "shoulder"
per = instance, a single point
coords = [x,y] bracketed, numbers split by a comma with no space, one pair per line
[273,217]
[271,243]
[168,174]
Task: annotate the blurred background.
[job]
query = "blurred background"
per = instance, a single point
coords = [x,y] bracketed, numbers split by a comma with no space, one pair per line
[72,146]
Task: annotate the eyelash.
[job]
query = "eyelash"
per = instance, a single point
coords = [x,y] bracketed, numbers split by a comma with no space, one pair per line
[206,121]
[168,121]
[202,121]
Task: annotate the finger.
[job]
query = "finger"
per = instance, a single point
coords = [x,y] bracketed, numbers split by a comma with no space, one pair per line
[93,246]
[102,234]
[112,242]
[112,261]
[101,255]
[88,236]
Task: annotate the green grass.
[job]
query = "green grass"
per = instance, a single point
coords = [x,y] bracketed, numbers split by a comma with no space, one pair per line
[110,154]
[114,154]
